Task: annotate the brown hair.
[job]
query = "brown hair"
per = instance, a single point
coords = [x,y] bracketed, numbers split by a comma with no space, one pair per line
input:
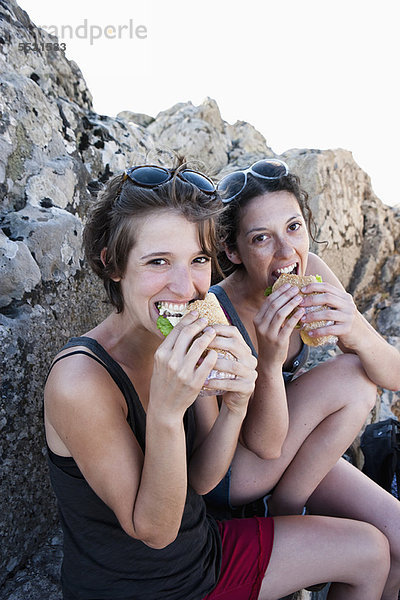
[229,219]
[109,223]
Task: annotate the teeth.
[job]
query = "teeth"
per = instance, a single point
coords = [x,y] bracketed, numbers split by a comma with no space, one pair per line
[288,269]
[176,310]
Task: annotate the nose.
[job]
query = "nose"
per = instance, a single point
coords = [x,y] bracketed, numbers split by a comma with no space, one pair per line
[181,283]
[283,248]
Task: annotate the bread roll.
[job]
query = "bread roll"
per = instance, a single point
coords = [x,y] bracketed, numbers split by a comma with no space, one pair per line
[300,281]
[211,309]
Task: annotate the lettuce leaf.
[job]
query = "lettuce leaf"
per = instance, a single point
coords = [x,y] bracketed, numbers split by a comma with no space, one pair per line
[268,290]
[164,325]
[318,278]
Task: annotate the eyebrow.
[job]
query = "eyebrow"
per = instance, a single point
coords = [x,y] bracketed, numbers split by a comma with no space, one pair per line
[152,254]
[296,216]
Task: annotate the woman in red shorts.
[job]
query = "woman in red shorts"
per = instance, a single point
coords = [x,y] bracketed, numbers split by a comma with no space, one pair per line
[133,446]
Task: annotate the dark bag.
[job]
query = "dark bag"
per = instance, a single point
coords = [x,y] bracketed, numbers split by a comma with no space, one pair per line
[380,444]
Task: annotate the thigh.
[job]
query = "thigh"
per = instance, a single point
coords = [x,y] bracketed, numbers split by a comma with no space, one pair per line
[312,397]
[310,550]
[347,492]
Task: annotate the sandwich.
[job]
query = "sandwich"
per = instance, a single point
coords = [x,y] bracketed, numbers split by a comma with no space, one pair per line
[300,281]
[209,308]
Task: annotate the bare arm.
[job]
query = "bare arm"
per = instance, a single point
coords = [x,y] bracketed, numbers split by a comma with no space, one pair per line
[380,360]
[83,405]
[267,421]
[220,429]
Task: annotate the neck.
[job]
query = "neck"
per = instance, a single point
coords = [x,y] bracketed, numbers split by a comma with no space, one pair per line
[241,290]
[127,344]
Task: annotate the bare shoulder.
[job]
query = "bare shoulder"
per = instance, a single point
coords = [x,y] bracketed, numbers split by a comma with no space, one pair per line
[78,376]
[317,266]
[79,391]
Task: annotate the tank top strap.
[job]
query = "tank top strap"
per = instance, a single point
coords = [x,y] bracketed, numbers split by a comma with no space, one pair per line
[136,415]
[232,315]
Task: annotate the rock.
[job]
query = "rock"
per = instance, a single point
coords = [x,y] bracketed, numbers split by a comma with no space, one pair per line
[138,118]
[56,154]
[19,273]
[54,238]
[197,132]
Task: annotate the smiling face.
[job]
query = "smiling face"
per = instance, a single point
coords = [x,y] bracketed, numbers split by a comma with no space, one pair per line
[166,267]
[272,238]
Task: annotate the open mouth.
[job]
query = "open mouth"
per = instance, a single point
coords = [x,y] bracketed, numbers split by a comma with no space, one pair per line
[173,312]
[292,269]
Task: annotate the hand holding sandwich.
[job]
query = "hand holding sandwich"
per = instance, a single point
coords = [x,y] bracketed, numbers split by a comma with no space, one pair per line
[232,371]
[336,307]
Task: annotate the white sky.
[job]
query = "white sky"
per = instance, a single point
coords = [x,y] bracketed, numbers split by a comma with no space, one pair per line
[306,73]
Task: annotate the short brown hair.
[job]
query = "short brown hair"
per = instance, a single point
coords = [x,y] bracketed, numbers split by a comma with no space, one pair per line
[109,223]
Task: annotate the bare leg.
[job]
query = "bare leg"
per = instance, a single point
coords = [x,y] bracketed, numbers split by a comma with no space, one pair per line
[308,550]
[347,492]
[327,408]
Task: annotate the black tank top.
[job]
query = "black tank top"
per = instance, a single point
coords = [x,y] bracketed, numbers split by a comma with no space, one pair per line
[101,562]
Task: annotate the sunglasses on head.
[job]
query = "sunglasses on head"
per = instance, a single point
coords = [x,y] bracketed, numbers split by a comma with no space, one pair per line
[150,176]
[232,184]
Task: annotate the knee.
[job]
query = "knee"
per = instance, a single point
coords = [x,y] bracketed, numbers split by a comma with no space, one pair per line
[376,551]
[361,388]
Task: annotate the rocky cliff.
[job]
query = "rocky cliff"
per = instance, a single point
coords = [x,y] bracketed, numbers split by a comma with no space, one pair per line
[55,154]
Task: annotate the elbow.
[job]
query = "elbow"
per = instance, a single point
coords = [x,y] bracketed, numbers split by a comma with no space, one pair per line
[157,540]
[273,453]
[270,451]
[160,543]
[153,536]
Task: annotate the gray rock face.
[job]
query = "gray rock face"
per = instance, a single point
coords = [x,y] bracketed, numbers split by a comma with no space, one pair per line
[55,153]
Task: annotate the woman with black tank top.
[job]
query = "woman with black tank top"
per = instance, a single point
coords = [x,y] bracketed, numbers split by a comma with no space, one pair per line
[300,422]
[133,446]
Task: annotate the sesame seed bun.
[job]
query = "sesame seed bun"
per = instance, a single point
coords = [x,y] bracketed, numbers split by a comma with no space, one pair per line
[300,281]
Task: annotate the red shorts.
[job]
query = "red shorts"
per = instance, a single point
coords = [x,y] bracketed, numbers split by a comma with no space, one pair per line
[246,550]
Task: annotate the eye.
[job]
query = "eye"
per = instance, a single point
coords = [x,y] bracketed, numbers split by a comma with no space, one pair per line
[295,226]
[261,237]
[158,261]
[202,260]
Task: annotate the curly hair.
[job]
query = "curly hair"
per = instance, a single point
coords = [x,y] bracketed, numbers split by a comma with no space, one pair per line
[229,220]
[109,233]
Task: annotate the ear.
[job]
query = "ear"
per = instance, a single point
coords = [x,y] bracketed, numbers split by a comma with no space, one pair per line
[103,254]
[233,255]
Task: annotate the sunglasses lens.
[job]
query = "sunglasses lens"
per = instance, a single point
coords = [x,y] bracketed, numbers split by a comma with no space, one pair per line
[231,185]
[148,176]
[198,180]
[270,169]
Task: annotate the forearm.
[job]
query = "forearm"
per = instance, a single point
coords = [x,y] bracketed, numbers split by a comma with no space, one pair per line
[267,420]
[160,501]
[380,360]
[213,457]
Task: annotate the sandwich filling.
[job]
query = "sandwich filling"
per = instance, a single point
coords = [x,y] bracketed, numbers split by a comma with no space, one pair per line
[172,312]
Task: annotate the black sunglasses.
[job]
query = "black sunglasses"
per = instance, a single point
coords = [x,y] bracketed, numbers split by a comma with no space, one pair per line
[232,184]
[150,176]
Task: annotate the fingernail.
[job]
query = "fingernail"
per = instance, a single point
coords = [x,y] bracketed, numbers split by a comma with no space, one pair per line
[209,329]
[194,313]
